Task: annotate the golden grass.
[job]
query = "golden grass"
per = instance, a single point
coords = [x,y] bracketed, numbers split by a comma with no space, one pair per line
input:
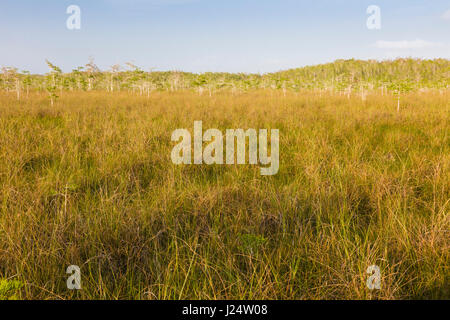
[90,182]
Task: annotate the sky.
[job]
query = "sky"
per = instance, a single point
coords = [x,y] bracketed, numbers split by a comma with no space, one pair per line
[252,36]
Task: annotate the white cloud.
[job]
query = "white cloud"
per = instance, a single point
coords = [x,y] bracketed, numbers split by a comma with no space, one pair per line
[446,15]
[405,44]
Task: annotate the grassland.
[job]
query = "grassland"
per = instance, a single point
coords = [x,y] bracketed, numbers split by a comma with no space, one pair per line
[89,181]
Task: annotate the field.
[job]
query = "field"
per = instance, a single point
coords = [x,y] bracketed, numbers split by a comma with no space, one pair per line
[89,182]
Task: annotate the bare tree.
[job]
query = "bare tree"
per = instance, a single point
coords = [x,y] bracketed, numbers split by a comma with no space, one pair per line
[91,70]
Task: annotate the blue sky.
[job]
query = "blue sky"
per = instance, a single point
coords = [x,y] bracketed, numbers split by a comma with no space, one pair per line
[218,35]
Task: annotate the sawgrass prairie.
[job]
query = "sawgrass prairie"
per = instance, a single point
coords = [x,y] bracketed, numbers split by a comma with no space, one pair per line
[89,182]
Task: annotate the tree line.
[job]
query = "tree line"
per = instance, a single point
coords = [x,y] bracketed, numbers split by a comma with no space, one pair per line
[341,76]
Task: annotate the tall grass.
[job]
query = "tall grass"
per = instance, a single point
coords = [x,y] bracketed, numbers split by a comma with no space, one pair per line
[90,182]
